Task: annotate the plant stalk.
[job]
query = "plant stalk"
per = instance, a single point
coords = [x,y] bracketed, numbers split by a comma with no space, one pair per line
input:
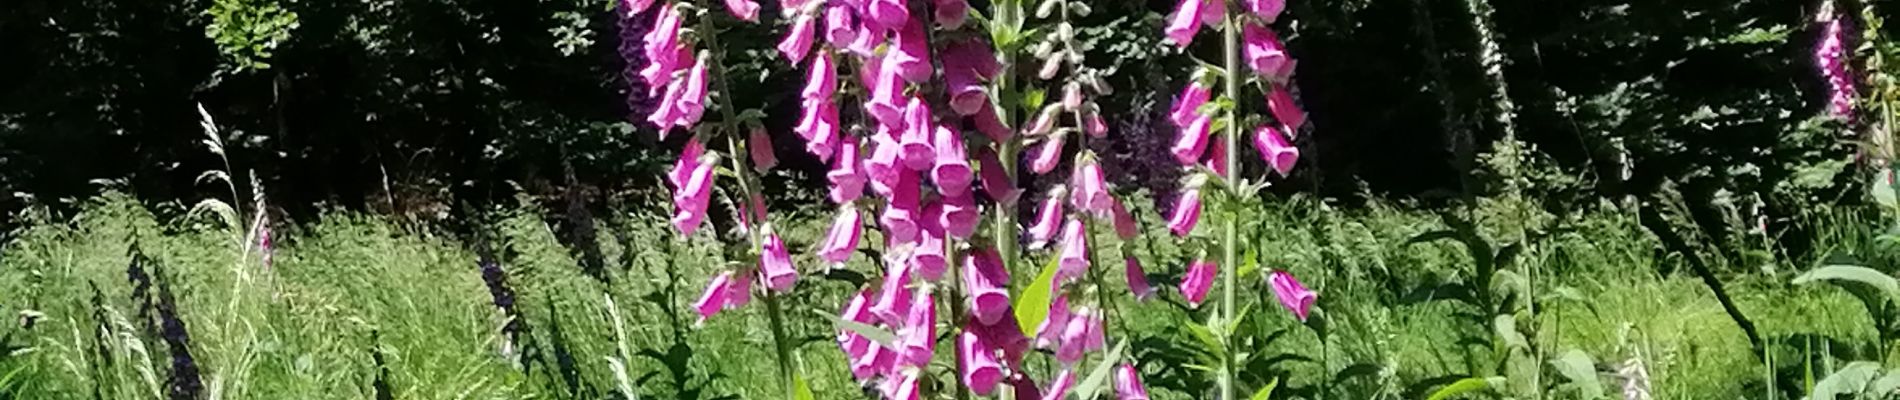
[1230,226]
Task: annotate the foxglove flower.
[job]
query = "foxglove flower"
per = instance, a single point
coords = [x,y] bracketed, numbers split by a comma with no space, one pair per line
[883,167]
[1187,106]
[664,116]
[919,154]
[1075,251]
[1262,49]
[984,279]
[919,334]
[952,172]
[1294,296]
[740,292]
[1048,154]
[846,176]
[744,10]
[689,202]
[775,263]
[1280,101]
[980,370]
[858,309]
[951,13]
[1185,22]
[1096,127]
[759,144]
[1217,158]
[1050,332]
[996,181]
[967,94]
[1128,384]
[1045,120]
[901,215]
[797,42]
[887,14]
[876,360]
[1187,212]
[636,6]
[663,48]
[692,100]
[1072,96]
[893,296]
[714,299]
[842,240]
[960,215]
[1082,335]
[990,124]
[1048,215]
[841,27]
[1200,278]
[927,258]
[819,128]
[1125,226]
[1831,57]
[1059,389]
[909,54]
[821,81]
[1091,190]
[1275,149]
[885,86]
[1213,12]
[688,161]
[1193,141]
[1268,10]
[1137,279]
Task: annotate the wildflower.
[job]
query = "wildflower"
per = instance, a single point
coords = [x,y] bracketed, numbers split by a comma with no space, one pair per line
[951,13]
[1128,384]
[996,181]
[876,360]
[663,49]
[714,299]
[882,167]
[1193,140]
[909,53]
[1831,57]
[1217,158]
[1072,96]
[1275,149]
[1292,294]
[744,10]
[1049,333]
[775,262]
[1125,226]
[821,81]
[1137,279]
[927,257]
[1082,335]
[1188,104]
[846,178]
[991,125]
[819,127]
[1048,154]
[1047,216]
[689,201]
[1263,50]
[980,369]
[842,240]
[1091,189]
[1280,101]
[739,293]
[919,333]
[841,28]
[636,6]
[900,217]
[918,152]
[885,87]
[1185,22]
[1187,212]
[960,215]
[759,144]
[1075,251]
[952,172]
[1268,10]
[664,116]
[1096,127]
[984,279]
[887,14]
[855,310]
[893,294]
[1200,278]
[1059,389]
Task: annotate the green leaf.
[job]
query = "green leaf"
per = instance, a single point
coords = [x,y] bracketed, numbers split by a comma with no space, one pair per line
[1098,378]
[1580,369]
[800,389]
[1033,306]
[1266,391]
[1433,236]
[1884,193]
[1853,273]
[1848,380]
[1463,386]
[1033,98]
[1506,327]
[879,335]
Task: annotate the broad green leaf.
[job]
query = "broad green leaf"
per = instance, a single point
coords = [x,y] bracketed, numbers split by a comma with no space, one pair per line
[1098,378]
[1853,273]
[1580,369]
[1506,327]
[1266,391]
[1848,380]
[800,389]
[1886,385]
[1033,306]
[879,335]
[1463,386]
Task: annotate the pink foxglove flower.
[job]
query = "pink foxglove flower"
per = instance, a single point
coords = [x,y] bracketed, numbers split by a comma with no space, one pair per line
[883,167]
[1289,114]
[1048,154]
[667,113]
[692,101]
[1187,106]
[1263,50]
[951,13]
[1007,336]
[1072,96]
[1185,22]
[1213,12]
[919,334]
[858,309]
[759,144]
[1091,190]
[714,298]
[901,215]
[841,27]
[635,6]
[960,215]
[1125,226]
[887,14]
[1268,10]
[744,10]
[1831,58]
[886,87]
[798,41]
[876,360]
[819,127]
[1075,251]
[1128,384]
[996,181]
[919,153]
[1059,389]
[980,370]
[983,281]
[927,258]
[688,160]
[846,176]
[1137,279]
[1294,296]
[1074,337]
[775,263]
[1050,332]
[739,293]
[1193,141]
[1048,218]
[821,81]
[689,202]
[842,240]
[1275,149]
[1187,212]
[662,46]
[910,53]
[893,295]
[1045,120]
[905,386]
[967,94]
[1096,127]
[1217,158]
[952,172]
[1199,278]
[990,124]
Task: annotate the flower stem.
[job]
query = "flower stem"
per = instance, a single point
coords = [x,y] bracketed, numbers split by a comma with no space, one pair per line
[1230,225]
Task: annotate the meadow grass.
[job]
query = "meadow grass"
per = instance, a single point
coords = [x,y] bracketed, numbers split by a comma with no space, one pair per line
[355,306]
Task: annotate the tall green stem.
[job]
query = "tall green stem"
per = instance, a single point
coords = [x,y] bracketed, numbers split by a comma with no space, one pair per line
[1230,227]
[774,311]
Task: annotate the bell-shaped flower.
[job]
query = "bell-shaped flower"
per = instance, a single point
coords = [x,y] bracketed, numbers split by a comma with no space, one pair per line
[951,13]
[967,94]
[1095,126]
[1185,22]
[798,41]
[775,263]
[1262,49]
[846,176]
[1125,225]
[1217,158]
[1187,105]
[996,181]
[1213,12]
[980,370]
[751,213]
[990,124]
[960,215]
[1048,219]
[690,199]
[841,25]
[1192,142]
[927,257]
[819,127]
[1280,101]
[688,160]
[1294,296]
[1128,384]
[744,10]
[918,335]
[885,165]
[1075,336]
[661,45]
[856,310]
[1007,336]
[887,104]
[1075,252]
[759,144]
[983,283]
[631,7]
[714,298]
[1072,96]
[1137,279]
[919,153]
[893,294]
[909,54]
[692,101]
[1050,332]
[900,218]
[1091,189]
[952,173]
[1050,66]
[1187,212]
[1199,278]
[1048,154]
[1275,149]
[821,81]
[1268,10]
[842,239]
[667,115]
[1045,120]
[1059,389]
[1023,387]
[740,292]
[876,360]
[887,14]
[904,386]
